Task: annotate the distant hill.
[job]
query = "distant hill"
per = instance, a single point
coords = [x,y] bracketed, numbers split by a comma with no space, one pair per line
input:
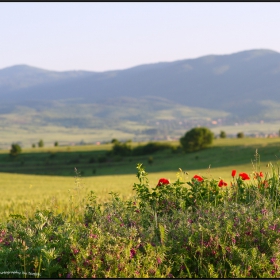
[243,86]
[237,83]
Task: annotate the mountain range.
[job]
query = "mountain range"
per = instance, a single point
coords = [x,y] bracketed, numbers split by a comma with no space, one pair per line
[243,86]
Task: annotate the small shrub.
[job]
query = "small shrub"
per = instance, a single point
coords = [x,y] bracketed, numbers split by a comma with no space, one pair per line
[240,135]
[41,143]
[223,134]
[15,150]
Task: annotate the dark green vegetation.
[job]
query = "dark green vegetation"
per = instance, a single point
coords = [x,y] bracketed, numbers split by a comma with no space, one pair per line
[193,229]
[15,150]
[240,135]
[197,139]
[223,134]
[99,160]
[125,149]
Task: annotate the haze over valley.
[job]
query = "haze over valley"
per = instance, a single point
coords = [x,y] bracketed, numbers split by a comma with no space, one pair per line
[146,102]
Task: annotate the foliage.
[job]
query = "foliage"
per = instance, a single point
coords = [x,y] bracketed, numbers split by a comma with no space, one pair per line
[197,139]
[240,135]
[15,149]
[223,134]
[126,149]
[150,148]
[41,143]
[55,143]
[40,162]
[186,229]
[121,149]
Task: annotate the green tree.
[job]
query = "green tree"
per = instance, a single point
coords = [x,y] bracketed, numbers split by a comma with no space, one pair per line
[223,134]
[41,143]
[55,143]
[114,140]
[121,149]
[197,139]
[240,135]
[15,150]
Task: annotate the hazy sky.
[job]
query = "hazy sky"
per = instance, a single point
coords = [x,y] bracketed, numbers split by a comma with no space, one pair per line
[107,36]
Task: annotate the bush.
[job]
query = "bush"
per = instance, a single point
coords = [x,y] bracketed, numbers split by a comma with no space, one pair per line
[114,140]
[121,149]
[41,143]
[240,135]
[55,143]
[223,134]
[150,148]
[15,150]
[197,139]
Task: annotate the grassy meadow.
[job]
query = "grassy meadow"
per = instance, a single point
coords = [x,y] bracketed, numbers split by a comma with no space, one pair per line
[45,177]
[83,212]
[222,223]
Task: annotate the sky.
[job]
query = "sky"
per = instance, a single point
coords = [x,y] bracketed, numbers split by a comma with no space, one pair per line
[113,36]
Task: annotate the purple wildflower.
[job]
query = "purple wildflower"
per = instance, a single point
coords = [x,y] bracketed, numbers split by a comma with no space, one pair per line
[132,253]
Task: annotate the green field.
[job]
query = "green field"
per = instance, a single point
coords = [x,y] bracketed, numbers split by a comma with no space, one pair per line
[46,177]
[51,226]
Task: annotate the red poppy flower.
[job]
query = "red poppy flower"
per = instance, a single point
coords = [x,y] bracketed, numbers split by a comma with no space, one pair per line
[233,172]
[163,181]
[222,183]
[244,176]
[198,178]
[257,175]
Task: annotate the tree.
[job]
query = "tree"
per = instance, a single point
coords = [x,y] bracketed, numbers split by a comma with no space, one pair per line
[55,143]
[41,143]
[223,134]
[197,139]
[121,149]
[15,150]
[240,135]
[114,140]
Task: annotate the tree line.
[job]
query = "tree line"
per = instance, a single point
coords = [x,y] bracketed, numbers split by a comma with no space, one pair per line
[194,140]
